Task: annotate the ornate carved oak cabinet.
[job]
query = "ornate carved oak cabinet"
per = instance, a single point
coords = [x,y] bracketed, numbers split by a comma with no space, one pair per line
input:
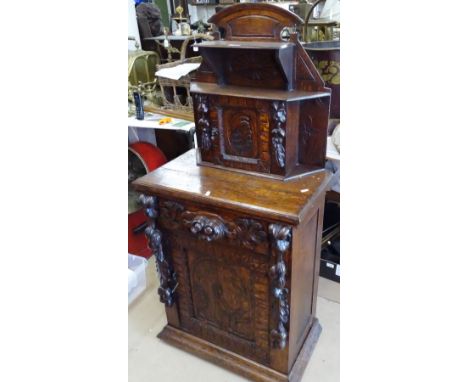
[238,252]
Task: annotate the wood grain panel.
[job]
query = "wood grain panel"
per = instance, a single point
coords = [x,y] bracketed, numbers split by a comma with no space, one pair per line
[312,132]
[224,296]
[253,26]
[302,284]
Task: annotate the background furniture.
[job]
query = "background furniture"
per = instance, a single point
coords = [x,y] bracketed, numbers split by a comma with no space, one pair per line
[326,58]
[141,73]
[174,138]
[321,28]
[179,48]
[148,27]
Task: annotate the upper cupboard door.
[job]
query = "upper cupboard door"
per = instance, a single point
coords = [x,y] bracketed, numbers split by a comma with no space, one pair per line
[244,133]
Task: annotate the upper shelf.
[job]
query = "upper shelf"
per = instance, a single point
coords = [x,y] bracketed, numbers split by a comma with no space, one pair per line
[259,93]
[256,63]
[257,45]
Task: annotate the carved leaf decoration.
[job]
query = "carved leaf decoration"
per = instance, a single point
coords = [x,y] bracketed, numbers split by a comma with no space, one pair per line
[280,115]
[203,123]
[208,228]
[202,102]
[254,229]
[282,235]
[206,139]
[248,232]
[280,152]
[214,133]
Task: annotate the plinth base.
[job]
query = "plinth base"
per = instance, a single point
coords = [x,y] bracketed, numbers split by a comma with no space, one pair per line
[238,364]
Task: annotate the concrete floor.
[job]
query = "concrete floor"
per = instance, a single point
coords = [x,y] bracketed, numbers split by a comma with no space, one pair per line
[150,359]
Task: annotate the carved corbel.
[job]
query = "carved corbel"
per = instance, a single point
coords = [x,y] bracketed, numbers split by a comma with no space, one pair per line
[278,133]
[167,276]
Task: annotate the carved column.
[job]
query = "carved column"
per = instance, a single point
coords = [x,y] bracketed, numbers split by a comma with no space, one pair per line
[278,133]
[281,240]
[167,276]
[203,121]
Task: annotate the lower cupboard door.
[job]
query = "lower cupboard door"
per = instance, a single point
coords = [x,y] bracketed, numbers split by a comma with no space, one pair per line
[223,295]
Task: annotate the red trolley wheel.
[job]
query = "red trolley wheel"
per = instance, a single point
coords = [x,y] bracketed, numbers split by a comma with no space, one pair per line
[143,157]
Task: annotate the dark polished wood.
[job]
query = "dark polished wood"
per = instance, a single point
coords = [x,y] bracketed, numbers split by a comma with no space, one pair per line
[261,105]
[238,252]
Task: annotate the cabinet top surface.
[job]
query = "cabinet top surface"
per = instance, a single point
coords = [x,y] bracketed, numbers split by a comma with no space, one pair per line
[286,201]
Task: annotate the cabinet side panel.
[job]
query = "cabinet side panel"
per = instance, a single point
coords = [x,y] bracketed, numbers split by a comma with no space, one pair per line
[292,136]
[313,125]
[318,247]
[302,283]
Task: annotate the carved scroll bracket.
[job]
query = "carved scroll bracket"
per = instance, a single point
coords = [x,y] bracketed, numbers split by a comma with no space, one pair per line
[278,133]
[281,240]
[167,276]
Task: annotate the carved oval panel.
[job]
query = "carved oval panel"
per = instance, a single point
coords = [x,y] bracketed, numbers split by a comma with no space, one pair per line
[241,138]
[240,133]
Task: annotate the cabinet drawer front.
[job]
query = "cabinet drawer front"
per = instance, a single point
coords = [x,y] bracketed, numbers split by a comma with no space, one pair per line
[214,226]
[223,295]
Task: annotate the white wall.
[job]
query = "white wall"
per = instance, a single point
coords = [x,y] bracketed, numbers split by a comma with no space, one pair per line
[132,25]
